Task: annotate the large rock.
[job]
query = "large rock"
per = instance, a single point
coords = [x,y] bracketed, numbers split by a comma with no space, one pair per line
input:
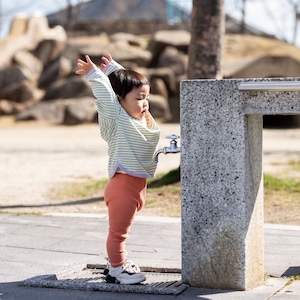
[60,68]
[10,75]
[17,84]
[18,25]
[158,87]
[73,87]
[179,39]
[62,111]
[159,107]
[129,38]
[52,111]
[8,107]
[31,65]
[49,50]
[40,67]
[121,51]
[37,30]
[21,91]
[174,104]
[166,74]
[80,111]
[174,59]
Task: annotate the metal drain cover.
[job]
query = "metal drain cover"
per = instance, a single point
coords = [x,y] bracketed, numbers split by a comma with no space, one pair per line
[90,278]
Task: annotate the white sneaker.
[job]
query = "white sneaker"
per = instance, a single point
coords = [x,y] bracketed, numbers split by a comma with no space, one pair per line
[135,267]
[125,274]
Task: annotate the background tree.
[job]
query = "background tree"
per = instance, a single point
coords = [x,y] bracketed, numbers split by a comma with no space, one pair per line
[72,14]
[295,4]
[207,35]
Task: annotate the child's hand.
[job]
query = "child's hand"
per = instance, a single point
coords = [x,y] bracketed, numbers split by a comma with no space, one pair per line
[85,67]
[106,61]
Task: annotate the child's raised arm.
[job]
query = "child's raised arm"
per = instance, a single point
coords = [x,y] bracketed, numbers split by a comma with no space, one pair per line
[85,67]
[106,61]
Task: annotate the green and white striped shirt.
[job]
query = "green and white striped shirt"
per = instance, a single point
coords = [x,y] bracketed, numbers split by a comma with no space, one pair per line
[131,142]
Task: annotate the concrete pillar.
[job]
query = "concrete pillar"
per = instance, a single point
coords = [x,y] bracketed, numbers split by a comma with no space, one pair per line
[221,179]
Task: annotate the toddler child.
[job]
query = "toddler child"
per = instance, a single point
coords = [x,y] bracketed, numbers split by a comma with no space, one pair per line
[132,135]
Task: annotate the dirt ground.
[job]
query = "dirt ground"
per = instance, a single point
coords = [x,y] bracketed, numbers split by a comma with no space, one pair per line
[36,159]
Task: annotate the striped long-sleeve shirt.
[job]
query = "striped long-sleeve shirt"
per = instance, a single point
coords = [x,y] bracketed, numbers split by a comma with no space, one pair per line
[131,142]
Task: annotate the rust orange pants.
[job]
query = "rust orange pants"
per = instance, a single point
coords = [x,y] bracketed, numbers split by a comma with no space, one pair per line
[124,195]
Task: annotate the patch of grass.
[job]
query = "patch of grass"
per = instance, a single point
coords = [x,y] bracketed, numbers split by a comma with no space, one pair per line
[38,214]
[295,164]
[281,200]
[281,196]
[293,278]
[296,277]
[88,188]
[163,194]
[160,180]
[82,189]
[162,202]
[288,185]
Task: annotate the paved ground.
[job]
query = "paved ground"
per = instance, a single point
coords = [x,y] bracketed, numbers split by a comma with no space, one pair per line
[33,159]
[42,245]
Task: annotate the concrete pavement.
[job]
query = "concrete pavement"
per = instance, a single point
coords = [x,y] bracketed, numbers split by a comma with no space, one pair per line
[40,245]
[32,245]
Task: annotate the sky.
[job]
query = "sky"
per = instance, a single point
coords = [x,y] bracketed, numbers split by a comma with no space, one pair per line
[272,16]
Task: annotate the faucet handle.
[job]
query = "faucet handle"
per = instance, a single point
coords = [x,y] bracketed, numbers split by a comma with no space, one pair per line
[172,137]
[171,149]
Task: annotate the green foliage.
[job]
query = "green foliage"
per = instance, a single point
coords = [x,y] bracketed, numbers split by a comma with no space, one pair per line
[296,277]
[288,185]
[81,189]
[160,180]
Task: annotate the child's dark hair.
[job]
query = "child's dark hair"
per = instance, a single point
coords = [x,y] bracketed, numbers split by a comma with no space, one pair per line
[124,80]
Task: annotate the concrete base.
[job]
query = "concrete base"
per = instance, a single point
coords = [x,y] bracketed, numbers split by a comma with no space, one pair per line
[222,182]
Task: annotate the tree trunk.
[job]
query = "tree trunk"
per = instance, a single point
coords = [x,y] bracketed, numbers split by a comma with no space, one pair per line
[207,34]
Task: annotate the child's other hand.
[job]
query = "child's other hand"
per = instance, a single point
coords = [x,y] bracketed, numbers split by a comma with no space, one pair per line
[85,67]
[106,61]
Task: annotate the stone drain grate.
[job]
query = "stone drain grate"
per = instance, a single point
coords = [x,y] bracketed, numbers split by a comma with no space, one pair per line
[90,277]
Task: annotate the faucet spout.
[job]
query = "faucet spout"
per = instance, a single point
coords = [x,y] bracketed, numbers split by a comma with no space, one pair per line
[166,150]
[159,151]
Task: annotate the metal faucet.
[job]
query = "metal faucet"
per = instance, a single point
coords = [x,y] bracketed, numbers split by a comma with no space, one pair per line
[172,149]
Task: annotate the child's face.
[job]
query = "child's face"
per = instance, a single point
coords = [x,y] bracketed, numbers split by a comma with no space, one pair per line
[136,102]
